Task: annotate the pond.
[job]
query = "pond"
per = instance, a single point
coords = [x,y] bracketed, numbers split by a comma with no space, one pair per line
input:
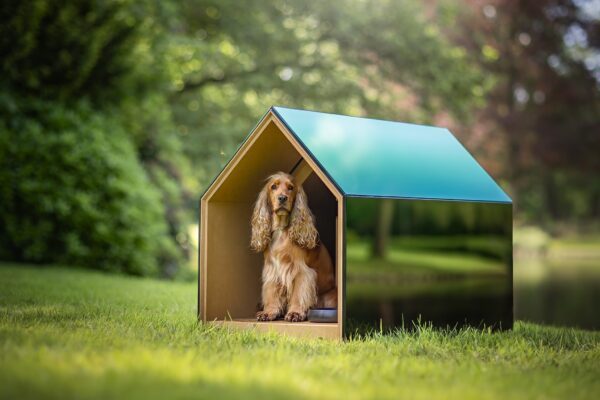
[420,280]
[561,292]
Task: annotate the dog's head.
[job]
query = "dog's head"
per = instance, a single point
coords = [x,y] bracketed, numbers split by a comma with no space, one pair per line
[281,195]
[282,191]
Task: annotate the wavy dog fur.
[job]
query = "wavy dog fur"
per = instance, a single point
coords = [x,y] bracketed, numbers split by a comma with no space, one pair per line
[298,271]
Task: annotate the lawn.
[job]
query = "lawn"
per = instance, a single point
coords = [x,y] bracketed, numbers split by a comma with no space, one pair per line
[68,333]
[419,262]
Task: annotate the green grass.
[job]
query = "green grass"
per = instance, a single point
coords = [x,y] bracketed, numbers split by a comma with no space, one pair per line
[403,262]
[67,333]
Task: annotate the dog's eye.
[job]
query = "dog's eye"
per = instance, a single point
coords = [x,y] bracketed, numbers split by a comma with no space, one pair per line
[273,186]
[290,187]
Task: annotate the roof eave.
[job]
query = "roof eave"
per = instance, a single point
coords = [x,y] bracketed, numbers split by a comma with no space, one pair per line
[270,115]
[308,152]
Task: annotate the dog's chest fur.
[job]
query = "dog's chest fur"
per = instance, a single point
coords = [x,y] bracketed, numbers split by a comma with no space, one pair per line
[280,268]
[281,250]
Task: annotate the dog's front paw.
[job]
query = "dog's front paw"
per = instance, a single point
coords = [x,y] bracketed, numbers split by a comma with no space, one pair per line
[294,316]
[266,316]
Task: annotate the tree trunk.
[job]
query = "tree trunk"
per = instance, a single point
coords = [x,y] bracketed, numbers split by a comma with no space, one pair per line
[385,216]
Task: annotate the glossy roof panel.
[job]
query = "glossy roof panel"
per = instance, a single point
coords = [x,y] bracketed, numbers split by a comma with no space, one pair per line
[375,158]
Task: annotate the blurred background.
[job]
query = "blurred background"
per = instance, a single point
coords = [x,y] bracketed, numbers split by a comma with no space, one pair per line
[115,116]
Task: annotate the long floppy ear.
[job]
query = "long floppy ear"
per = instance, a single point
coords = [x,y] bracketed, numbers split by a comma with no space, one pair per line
[302,229]
[261,222]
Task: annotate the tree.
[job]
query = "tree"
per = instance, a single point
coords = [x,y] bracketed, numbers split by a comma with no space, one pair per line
[545,105]
[91,72]
[385,217]
[229,63]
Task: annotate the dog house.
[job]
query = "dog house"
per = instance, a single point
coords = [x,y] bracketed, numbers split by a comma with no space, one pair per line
[418,231]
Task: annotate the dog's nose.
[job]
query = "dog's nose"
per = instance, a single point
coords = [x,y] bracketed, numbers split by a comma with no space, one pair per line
[282,198]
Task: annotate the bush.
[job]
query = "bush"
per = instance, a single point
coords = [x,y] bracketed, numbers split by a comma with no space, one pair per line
[72,191]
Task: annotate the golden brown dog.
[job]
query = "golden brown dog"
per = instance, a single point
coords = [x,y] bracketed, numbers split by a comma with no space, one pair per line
[298,272]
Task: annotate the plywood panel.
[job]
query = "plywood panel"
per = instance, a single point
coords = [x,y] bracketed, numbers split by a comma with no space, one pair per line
[233,271]
[301,171]
[296,329]
[202,260]
[270,152]
[229,271]
[340,241]
[339,222]
[324,207]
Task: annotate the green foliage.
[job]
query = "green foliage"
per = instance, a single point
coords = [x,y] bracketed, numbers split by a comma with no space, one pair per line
[544,109]
[97,72]
[74,334]
[382,59]
[74,192]
[148,123]
[64,50]
[184,82]
[431,217]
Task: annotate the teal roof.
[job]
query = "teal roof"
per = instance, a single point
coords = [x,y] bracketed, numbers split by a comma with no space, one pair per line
[375,158]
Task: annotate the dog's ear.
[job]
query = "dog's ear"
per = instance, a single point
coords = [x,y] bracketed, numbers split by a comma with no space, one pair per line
[261,222]
[302,229]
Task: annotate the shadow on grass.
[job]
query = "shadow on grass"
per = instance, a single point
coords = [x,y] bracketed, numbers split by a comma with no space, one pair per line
[136,384]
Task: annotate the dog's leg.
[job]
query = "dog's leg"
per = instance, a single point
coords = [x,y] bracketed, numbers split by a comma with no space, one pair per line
[328,299]
[303,294]
[273,302]
[272,297]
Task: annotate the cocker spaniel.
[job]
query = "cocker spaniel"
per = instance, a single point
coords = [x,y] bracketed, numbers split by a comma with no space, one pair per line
[298,272]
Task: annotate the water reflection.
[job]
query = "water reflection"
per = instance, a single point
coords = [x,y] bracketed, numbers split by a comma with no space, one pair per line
[448,263]
[561,292]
